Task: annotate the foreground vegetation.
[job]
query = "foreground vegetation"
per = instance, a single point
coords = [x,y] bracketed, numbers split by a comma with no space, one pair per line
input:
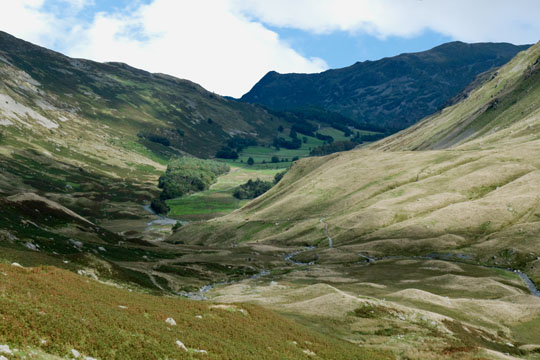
[52,311]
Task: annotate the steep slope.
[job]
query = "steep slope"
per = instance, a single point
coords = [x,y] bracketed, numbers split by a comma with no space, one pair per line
[393,93]
[126,101]
[476,202]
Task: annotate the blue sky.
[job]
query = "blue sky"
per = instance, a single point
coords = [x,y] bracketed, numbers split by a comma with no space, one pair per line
[228,45]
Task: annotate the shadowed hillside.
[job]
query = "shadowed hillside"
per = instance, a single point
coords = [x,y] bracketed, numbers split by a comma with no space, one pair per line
[392,93]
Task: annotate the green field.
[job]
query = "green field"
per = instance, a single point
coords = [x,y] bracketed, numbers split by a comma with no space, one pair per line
[218,200]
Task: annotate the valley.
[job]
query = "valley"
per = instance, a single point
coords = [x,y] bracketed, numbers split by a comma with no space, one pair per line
[419,245]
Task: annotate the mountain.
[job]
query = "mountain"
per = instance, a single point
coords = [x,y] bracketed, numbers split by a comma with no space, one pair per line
[392,93]
[82,145]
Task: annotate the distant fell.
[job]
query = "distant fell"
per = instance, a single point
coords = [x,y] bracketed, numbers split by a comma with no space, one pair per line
[393,92]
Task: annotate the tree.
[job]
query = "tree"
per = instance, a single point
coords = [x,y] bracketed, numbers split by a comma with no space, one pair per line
[250,161]
[280,128]
[293,134]
[275,159]
[304,139]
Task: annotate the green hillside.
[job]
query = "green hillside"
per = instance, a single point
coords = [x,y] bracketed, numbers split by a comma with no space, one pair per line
[49,313]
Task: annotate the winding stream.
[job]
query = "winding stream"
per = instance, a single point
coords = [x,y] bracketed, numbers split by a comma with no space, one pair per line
[199,295]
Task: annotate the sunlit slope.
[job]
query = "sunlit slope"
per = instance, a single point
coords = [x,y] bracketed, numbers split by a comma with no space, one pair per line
[479,201]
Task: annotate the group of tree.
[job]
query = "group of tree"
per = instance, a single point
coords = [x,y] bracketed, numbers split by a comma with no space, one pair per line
[239,143]
[368,137]
[303,121]
[252,189]
[326,138]
[294,143]
[234,146]
[156,138]
[186,175]
[227,152]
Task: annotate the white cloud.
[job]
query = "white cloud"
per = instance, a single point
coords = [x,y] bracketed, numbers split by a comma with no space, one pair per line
[25,19]
[473,21]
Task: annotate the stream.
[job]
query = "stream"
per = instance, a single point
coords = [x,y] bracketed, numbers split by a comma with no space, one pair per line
[530,284]
[199,295]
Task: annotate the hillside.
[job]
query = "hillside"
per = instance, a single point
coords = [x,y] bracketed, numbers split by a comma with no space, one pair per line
[44,317]
[392,93]
[82,145]
[58,93]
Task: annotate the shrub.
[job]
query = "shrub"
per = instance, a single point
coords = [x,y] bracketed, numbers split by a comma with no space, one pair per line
[279,176]
[275,159]
[159,206]
[250,161]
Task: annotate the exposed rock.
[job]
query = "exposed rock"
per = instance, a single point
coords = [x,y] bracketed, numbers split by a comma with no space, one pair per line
[181,345]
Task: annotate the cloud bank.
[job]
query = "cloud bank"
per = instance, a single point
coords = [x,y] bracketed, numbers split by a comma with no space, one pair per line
[227,45]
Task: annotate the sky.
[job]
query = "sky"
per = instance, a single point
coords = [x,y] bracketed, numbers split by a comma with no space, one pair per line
[228,45]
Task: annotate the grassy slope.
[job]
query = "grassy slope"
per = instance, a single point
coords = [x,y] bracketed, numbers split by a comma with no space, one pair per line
[69,312]
[68,127]
[265,153]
